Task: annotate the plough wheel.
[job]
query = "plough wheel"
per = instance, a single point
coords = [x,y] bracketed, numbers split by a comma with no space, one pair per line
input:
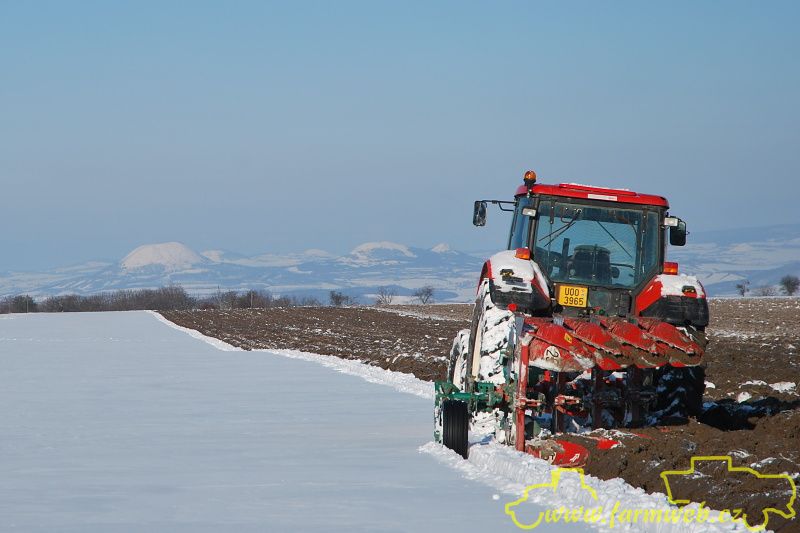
[455,426]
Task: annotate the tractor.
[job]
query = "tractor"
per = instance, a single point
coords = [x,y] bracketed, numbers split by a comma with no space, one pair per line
[580,324]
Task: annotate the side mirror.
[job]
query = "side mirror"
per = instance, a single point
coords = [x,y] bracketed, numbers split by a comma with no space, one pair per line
[677,234]
[479,213]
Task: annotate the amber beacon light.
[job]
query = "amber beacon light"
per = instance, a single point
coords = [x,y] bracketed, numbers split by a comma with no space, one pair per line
[529,178]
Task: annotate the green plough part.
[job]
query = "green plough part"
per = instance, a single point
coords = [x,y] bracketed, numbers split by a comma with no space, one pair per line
[485,398]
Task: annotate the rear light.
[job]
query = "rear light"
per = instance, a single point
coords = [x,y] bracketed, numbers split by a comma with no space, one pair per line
[512,307]
[523,253]
[670,268]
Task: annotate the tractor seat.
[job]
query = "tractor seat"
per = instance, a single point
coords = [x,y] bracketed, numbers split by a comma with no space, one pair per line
[591,262]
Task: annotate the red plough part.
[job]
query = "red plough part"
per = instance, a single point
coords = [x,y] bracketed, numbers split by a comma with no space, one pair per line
[557,452]
[576,345]
[560,453]
[570,345]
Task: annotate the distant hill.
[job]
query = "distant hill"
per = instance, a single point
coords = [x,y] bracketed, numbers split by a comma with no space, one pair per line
[359,274]
[720,258]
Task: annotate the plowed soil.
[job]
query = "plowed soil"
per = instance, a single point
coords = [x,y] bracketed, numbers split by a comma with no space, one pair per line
[752,409]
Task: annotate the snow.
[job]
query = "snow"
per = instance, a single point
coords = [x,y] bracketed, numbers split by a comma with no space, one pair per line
[369,248]
[441,248]
[783,386]
[672,285]
[113,422]
[522,268]
[317,253]
[217,256]
[510,472]
[169,255]
[743,397]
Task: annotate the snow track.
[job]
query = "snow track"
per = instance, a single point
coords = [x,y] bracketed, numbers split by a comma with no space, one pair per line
[399,381]
[510,472]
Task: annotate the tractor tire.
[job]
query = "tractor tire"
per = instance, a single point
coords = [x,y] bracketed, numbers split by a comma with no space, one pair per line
[680,392]
[455,426]
[491,328]
[457,364]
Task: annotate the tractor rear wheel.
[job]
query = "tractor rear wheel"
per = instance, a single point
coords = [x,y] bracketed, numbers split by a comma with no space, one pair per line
[488,339]
[680,391]
[455,426]
[457,365]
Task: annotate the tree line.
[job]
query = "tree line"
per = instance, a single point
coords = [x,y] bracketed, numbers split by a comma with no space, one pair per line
[788,283]
[173,298]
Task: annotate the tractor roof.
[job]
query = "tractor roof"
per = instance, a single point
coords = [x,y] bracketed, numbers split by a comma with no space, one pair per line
[576,190]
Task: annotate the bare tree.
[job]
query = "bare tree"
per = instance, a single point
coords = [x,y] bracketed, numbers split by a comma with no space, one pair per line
[23,304]
[385,296]
[766,290]
[339,299]
[228,299]
[424,294]
[306,301]
[790,284]
[743,287]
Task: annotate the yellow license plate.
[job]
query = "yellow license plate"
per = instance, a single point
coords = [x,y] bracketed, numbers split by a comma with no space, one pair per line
[573,296]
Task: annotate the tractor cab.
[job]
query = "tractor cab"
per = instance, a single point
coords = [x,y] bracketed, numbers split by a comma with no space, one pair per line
[598,248]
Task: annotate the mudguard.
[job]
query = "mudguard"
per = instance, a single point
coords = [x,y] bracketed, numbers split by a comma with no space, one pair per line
[517,281]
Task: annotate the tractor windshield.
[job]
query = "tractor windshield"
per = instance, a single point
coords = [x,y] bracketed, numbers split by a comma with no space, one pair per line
[596,244]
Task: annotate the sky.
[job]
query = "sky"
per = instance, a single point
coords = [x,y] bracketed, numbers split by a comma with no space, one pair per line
[276,127]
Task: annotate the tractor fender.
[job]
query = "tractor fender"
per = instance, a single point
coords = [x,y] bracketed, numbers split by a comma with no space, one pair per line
[513,280]
[675,298]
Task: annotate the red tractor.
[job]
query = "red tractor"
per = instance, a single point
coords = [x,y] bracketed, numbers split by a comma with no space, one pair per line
[580,323]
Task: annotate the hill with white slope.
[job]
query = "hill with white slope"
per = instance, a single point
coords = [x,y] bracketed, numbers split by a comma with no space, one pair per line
[377,252]
[720,259]
[170,256]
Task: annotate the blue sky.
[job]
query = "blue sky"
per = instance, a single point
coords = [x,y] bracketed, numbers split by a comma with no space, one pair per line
[256,126]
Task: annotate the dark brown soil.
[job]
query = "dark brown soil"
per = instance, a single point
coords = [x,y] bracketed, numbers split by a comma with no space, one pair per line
[391,340]
[753,343]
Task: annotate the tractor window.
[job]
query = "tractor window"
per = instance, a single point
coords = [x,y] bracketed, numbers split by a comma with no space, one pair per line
[520,225]
[596,245]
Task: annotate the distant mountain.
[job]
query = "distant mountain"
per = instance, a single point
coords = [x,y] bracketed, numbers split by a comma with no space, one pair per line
[169,256]
[360,274]
[721,259]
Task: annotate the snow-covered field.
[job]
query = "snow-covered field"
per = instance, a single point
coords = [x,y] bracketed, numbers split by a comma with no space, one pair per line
[117,422]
